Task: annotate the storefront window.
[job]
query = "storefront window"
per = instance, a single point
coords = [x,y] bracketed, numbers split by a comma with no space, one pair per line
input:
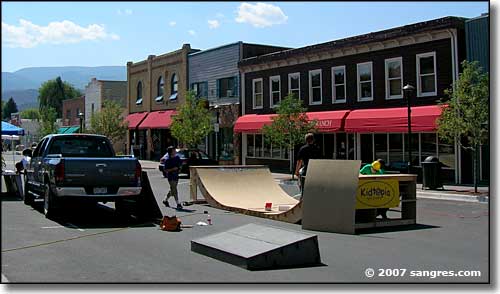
[341,146]
[250,145]
[428,145]
[414,149]
[227,149]
[366,148]
[276,151]
[381,147]
[284,152]
[258,145]
[267,149]
[351,145]
[447,154]
[396,158]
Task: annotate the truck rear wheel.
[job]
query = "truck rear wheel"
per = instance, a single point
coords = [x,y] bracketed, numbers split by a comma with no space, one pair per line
[28,198]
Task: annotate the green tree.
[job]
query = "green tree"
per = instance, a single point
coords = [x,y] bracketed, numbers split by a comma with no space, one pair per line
[48,119]
[53,92]
[466,116]
[30,113]
[109,121]
[9,108]
[290,125]
[192,122]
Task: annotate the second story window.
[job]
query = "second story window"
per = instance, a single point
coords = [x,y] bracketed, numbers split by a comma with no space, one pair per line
[226,87]
[275,90]
[315,91]
[338,84]
[138,101]
[174,85]
[68,114]
[200,89]
[159,85]
[426,74]
[257,93]
[394,78]
[294,84]
[365,81]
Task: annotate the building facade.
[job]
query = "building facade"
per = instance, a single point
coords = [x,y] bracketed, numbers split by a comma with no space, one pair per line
[353,87]
[70,111]
[477,39]
[155,88]
[214,75]
[98,91]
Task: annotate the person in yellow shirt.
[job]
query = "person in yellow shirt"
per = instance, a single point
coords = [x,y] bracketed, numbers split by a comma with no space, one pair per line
[375,168]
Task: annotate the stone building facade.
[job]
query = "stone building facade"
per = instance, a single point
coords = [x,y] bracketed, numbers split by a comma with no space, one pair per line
[71,109]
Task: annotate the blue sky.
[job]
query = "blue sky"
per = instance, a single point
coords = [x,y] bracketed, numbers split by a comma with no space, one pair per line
[111,33]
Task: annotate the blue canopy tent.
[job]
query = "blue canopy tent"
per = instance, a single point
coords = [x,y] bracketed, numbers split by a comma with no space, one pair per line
[9,129]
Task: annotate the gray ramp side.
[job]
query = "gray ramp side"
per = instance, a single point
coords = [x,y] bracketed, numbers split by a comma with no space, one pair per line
[256,247]
[329,198]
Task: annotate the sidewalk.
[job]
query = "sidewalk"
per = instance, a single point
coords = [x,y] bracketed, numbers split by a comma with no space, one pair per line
[450,192]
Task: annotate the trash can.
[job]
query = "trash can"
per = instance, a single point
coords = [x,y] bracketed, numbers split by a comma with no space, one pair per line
[431,173]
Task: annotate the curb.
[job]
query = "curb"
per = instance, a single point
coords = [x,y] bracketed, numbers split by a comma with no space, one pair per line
[454,197]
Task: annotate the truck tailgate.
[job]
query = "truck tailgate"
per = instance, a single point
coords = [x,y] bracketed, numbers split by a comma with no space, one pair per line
[100,172]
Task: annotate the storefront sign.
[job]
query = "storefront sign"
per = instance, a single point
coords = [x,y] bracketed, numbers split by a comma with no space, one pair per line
[377,194]
[326,123]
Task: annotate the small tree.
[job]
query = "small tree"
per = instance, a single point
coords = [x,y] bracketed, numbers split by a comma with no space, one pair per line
[467,113]
[48,118]
[30,113]
[109,121]
[9,108]
[192,122]
[290,126]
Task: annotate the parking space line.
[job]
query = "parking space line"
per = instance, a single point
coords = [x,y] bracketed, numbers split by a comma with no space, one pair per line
[52,227]
[75,227]
[4,279]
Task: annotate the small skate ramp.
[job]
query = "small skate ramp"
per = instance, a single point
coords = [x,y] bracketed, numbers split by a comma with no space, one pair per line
[257,247]
[244,189]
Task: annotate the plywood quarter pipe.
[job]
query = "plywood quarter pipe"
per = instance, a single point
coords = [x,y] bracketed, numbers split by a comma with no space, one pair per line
[246,190]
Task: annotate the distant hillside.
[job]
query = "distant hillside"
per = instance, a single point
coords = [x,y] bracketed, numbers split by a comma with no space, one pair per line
[23,98]
[22,85]
[78,76]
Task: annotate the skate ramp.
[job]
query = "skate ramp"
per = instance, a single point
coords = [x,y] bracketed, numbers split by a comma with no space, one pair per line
[245,189]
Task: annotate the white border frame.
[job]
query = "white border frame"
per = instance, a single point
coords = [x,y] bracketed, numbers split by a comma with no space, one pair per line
[253,93]
[334,86]
[387,84]
[311,72]
[290,75]
[359,84]
[419,86]
[271,79]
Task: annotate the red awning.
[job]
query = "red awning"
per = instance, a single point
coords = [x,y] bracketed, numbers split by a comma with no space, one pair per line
[328,121]
[157,120]
[393,120]
[134,119]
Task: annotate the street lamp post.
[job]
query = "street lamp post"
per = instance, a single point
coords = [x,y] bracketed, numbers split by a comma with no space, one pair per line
[408,90]
[80,116]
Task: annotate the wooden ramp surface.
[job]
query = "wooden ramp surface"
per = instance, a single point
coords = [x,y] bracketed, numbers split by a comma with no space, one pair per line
[246,189]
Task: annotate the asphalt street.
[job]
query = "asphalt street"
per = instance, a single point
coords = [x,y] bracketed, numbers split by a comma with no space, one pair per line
[93,244]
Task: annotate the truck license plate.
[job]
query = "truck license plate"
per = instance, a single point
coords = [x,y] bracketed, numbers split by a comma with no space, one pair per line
[100,190]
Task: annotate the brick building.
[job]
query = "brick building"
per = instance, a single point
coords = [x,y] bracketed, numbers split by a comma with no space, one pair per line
[155,88]
[71,109]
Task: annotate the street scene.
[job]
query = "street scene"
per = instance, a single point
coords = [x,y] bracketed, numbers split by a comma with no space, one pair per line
[355,155]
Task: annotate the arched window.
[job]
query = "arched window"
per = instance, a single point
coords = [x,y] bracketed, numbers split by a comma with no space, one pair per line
[139,94]
[161,83]
[174,83]
[159,86]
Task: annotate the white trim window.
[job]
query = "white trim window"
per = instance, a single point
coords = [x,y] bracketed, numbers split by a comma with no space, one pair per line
[315,90]
[365,81]
[338,84]
[426,74]
[257,91]
[274,90]
[394,78]
[294,84]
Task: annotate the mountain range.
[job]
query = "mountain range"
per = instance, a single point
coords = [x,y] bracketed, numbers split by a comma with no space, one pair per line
[23,84]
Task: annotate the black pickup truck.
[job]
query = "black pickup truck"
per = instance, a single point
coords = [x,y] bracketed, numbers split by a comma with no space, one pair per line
[68,167]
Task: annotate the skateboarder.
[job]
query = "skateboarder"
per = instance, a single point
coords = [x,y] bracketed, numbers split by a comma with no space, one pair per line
[306,152]
[172,167]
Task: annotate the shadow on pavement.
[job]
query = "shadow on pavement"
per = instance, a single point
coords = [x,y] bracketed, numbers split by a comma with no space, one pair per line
[395,229]
[94,216]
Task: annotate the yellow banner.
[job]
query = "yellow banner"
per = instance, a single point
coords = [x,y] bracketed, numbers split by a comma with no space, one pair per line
[377,194]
